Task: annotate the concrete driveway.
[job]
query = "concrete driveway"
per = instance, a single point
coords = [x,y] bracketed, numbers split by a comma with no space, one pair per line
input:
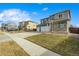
[25,34]
[75,35]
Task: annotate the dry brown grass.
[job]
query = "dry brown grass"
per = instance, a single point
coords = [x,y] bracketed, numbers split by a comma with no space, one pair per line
[10,48]
[1,33]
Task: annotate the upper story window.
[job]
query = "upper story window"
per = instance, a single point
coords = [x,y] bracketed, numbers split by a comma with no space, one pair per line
[60,16]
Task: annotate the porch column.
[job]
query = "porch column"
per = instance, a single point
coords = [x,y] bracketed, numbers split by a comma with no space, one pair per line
[68,25]
[51,27]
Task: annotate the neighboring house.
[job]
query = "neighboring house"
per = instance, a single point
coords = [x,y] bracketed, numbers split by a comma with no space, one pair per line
[27,26]
[9,27]
[59,22]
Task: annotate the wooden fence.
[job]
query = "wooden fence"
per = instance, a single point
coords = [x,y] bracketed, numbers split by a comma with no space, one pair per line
[74,30]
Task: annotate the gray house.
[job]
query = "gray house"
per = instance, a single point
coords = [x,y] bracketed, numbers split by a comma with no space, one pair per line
[8,27]
[59,22]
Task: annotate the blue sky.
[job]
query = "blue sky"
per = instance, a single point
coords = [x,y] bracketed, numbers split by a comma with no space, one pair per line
[37,11]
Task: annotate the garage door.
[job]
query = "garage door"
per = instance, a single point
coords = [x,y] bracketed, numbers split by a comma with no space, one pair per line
[45,28]
[38,29]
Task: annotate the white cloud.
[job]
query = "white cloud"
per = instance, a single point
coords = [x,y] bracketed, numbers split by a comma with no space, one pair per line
[44,9]
[34,13]
[14,16]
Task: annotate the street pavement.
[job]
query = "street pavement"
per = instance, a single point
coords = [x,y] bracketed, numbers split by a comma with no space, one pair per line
[4,38]
[25,34]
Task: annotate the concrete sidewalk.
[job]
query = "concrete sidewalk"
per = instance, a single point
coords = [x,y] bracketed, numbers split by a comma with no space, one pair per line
[31,48]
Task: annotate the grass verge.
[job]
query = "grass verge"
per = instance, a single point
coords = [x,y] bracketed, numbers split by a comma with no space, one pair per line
[10,48]
[1,33]
[61,44]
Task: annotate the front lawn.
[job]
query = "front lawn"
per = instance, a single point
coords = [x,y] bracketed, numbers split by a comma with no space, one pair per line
[61,44]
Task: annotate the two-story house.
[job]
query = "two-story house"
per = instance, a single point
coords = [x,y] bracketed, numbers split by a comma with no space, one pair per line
[27,26]
[59,22]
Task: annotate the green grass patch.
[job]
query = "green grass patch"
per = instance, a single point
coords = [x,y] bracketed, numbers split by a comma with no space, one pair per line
[61,44]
